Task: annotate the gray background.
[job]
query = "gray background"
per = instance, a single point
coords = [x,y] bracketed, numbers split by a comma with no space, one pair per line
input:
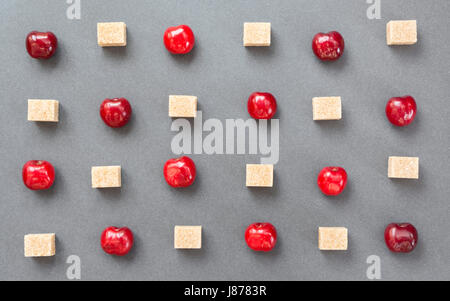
[222,73]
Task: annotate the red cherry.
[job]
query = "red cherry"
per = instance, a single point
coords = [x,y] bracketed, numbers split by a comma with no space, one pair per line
[180,172]
[261,236]
[38,174]
[117,241]
[179,39]
[115,112]
[328,46]
[262,105]
[332,180]
[401,110]
[401,238]
[41,45]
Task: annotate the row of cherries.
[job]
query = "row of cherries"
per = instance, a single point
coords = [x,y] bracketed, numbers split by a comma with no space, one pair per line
[180,40]
[178,172]
[181,172]
[399,238]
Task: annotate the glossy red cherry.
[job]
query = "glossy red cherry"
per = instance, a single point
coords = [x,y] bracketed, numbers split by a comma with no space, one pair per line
[41,45]
[180,172]
[328,46]
[262,105]
[401,110]
[401,238]
[38,174]
[332,180]
[179,39]
[261,236]
[117,241]
[115,112]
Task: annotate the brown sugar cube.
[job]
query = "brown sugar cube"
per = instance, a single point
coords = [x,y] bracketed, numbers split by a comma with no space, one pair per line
[333,238]
[106,176]
[259,175]
[39,245]
[43,110]
[188,237]
[256,34]
[327,108]
[112,34]
[401,32]
[182,106]
[403,167]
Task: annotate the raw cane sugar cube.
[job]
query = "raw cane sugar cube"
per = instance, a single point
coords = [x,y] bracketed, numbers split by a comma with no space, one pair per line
[401,32]
[403,167]
[182,106]
[257,34]
[112,34]
[259,175]
[333,238]
[46,110]
[106,176]
[327,108]
[188,237]
[39,245]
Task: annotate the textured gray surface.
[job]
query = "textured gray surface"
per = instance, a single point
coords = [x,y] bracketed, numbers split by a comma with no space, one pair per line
[222,73]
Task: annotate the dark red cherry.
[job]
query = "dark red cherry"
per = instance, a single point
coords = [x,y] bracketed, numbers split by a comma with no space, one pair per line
[41,45]
[401,238]
[115,112]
